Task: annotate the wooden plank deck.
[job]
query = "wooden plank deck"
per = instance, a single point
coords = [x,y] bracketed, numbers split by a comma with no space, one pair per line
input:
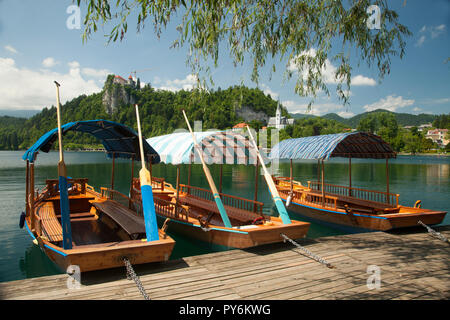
[413,265]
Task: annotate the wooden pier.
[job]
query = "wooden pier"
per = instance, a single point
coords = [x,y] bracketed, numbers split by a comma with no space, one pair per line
[413,265]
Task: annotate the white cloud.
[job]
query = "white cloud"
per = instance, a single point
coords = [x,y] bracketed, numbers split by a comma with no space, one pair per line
[328,71]
[96,73]
[49,62]
[24,88]
[360,80]
[317,109]
[10,49]
[421,40]
[269,91]
[187,83]
[430,31]
[391,103]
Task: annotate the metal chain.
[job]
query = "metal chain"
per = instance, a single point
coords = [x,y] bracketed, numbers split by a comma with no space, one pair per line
[434,233]
[131,275]
[312,255]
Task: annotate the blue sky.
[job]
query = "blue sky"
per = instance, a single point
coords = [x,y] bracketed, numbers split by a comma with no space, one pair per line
[36,47]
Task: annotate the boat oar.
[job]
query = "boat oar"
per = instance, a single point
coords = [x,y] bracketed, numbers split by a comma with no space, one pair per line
[223,213]
[272,188]
[148,206]
[63,194]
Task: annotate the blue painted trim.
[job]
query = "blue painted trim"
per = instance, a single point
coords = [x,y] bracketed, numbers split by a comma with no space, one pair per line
[57,251]
[197,226]
[29,231]
[34,238]
[223,213]
[65,213]
[355,214]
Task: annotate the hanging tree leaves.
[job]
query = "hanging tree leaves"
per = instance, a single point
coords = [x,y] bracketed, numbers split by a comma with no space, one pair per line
[303,34]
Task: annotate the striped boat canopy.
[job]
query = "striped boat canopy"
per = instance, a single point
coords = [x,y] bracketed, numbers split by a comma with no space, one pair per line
[219,147]
[348,145]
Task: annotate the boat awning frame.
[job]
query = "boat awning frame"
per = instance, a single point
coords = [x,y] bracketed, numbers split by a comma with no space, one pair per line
[347,145]
[117,139]
[219,147]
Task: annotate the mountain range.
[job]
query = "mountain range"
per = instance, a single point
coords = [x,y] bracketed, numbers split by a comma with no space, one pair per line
[403,119]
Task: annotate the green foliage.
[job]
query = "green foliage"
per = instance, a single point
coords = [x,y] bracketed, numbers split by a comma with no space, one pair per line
[301,33]
[160,113]
[442,121]
[311,127]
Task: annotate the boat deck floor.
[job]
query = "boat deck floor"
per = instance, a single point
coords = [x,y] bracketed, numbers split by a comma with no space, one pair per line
[412,265]
[87,232]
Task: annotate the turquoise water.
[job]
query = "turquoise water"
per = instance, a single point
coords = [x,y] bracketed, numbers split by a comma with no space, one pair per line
[421,177]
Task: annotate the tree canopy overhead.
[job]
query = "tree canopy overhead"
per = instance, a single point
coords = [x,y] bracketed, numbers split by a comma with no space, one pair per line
[302,34]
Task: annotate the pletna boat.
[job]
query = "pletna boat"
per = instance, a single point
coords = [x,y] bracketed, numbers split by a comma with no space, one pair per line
[100,229]
[355,209]
[194,212]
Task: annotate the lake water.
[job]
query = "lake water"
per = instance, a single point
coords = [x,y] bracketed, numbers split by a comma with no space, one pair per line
[421,177]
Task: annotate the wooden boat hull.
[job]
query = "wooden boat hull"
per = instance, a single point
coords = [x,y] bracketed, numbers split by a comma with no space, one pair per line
[106,255]
[243,237]
[366,222]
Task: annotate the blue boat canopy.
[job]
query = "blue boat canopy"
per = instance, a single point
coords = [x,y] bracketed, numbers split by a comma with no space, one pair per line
[348,145]
[219,147]
[115,137]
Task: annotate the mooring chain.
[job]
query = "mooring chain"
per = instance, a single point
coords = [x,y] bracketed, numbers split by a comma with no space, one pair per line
[312,255]
[131,275]
[434,233]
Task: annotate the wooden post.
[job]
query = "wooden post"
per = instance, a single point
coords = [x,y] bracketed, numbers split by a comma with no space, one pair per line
[387,181]
[178,182]
[318,170]
[112,171]
[256,184]
[31,197]
[292,181]
[189,175]
[27,189]
[131,183]
[323,190]
[220,181]
[350,176]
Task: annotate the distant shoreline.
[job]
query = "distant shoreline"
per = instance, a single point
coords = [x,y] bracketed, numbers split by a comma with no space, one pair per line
[424,154]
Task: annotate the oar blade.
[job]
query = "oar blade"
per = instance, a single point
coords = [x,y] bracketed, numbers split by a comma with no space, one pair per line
[148,206]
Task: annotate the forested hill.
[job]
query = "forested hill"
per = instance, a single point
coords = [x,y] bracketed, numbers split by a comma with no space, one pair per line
[403,119]
[160,112]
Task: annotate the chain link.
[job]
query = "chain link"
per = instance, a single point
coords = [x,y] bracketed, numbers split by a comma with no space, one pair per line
[434,233]
[131,275]
[309,253]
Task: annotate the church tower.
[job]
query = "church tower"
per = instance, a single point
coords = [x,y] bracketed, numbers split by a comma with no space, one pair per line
[278,117]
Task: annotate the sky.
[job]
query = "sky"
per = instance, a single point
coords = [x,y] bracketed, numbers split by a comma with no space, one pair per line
[37,47]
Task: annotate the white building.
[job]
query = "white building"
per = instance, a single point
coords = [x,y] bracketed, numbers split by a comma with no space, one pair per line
[278,121]
[438,136]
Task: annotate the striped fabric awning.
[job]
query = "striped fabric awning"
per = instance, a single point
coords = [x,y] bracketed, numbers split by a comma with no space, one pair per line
[348,145]
[219,147]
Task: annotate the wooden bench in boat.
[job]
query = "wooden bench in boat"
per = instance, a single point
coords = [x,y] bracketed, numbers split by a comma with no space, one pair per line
[126,218]
[365,206]
[50,225]
[241,215]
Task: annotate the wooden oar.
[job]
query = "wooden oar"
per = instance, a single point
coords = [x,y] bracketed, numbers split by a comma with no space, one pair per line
[148,206]
[272,188]
[223,213]
[63,194]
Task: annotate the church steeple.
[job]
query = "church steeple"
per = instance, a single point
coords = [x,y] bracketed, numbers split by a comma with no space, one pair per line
[278,116]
